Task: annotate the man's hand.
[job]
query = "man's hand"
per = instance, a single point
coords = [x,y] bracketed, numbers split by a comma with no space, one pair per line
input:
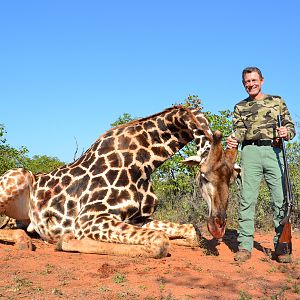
[282,132]
[231,142]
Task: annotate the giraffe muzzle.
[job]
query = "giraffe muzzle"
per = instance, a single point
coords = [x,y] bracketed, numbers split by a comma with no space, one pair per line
[216,226]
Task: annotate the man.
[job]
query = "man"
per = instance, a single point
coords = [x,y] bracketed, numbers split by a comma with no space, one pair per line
[255,127]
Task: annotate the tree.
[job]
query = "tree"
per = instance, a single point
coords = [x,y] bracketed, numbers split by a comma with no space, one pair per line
[42,163]
[125,118]
[10,157]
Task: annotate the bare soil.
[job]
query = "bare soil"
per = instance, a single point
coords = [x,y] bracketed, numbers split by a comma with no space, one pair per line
[207,272]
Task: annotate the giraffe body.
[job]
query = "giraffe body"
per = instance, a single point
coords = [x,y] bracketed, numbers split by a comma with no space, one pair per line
[103,202]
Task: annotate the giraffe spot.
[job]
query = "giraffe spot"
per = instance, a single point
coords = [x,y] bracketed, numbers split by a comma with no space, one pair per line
[78,171]
[160,151]
[186,136]
[71,207]
[161,125]
[155,137]
[147,209]
[132,147]
[47,195]
[117,212]
[174,145]
[99,195]
[78,162]
[95,206]
[124,195]
[128,159]
[98,166]
[84,199]
[97,182]
[57,189]
[114,160]
[197,141]
[177,123]
[140,183]
[148,171]
[148,125]
[105,226]
[106,146]
[123,142]
[165,136]
[111,176]
[135,173]
[52,217]
[90,159]
[43,180]
[131,211]
[138,128]
[84,218]
[203,143]
[173,128]
[94,228]
[123,179]
[143,156]
[66,180]
[78,186]
[58,203]
[56,231]
[113,197]
[142,139]
[157,163]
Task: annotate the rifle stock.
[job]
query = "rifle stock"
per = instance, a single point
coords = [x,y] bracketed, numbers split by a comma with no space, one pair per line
[284,244]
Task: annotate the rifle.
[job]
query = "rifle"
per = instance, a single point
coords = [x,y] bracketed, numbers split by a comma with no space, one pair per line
[284,244]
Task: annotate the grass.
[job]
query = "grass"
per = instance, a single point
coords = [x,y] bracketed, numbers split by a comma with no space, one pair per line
[48,269]
[119,278]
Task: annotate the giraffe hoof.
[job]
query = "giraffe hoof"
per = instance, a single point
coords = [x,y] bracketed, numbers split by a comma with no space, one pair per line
[64,239]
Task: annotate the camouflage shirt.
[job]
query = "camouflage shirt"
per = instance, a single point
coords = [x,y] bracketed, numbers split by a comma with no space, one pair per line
[257,119]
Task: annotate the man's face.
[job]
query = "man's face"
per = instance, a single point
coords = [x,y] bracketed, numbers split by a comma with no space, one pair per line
[252,83]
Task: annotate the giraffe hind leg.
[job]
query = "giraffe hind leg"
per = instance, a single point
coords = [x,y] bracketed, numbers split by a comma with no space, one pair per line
[69,243]
[108,235]
[180,234]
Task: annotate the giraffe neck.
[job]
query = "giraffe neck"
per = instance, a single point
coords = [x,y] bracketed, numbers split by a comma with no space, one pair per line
[146,143]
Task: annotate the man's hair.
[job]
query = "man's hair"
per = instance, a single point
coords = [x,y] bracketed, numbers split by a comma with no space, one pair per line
[250,70]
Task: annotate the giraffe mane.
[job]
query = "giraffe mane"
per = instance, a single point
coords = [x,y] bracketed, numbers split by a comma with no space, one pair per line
[137,121]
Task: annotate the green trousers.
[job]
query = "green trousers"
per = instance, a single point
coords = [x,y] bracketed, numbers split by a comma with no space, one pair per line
[258,162]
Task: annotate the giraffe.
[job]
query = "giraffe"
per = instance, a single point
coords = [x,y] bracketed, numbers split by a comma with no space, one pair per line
[104,202]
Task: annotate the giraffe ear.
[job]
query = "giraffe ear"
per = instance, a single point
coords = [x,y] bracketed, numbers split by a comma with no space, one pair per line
[192,161]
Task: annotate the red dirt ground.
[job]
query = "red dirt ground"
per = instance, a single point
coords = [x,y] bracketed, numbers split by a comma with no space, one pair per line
[208,272]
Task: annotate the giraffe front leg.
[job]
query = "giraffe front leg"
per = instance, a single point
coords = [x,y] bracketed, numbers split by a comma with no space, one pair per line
[179,234]
[17,236]
[114,237]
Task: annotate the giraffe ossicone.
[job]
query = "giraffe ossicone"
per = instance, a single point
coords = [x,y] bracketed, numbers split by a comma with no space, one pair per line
[104,202]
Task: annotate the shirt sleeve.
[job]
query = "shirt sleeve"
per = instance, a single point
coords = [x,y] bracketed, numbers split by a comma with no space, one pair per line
[239,128]
[287,121]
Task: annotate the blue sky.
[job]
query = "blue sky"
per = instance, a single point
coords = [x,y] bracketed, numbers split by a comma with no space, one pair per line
[68,69]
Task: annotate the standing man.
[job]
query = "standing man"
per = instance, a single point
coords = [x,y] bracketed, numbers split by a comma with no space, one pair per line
[255,127]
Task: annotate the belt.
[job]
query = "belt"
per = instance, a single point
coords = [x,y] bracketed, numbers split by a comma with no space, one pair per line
[257,142]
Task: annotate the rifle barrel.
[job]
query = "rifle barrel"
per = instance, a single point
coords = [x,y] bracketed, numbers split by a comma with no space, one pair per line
[288,187]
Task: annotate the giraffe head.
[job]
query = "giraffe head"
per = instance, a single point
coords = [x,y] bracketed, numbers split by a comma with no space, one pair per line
[214,177]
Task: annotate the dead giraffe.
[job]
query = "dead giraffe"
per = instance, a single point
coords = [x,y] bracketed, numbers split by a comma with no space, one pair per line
[103,202]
